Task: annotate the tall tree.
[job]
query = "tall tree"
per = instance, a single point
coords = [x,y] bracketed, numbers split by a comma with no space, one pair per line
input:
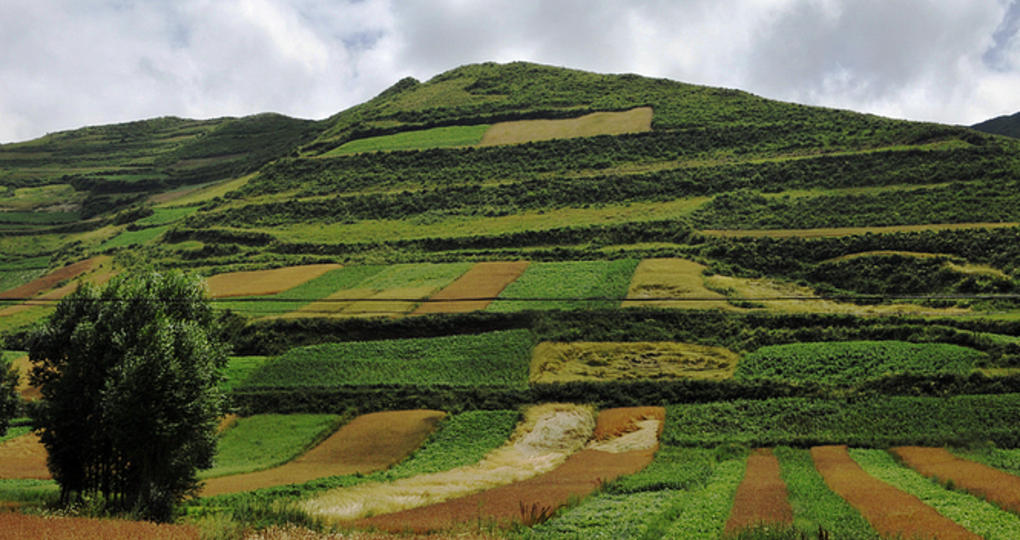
[129,376]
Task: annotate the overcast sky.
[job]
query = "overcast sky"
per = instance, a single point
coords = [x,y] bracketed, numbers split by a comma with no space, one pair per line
[65,64]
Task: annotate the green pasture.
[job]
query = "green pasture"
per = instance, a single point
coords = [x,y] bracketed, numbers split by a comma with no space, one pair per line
[845,363]
[164,216]
[490,359]
[441,137]
[133,238]
[239,368]
[560,285]
[268,440]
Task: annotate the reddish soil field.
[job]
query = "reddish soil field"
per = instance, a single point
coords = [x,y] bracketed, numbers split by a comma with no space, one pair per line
[298,533]
[761,497]
[890,511]
[14,526]
[50,280]
[994,485]
[368,443]
[23,457]
[615,422]
[55,295]
[265,282]
[580,475]
[483,280]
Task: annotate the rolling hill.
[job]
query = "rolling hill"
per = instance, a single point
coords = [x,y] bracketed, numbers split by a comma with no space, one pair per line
[1002,125]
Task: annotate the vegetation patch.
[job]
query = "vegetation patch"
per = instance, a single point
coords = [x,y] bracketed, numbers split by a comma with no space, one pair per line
[976,478]
[578,361]
[264,441]
[302,295]
[590,125]
[672,283]
[474,290]
[264,282]
[491,359]
[845,363]
[134,238]
[568,285]
[440,137]
[51,280]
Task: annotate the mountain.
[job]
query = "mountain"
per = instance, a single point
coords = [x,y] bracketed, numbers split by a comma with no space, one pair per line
[1003,125]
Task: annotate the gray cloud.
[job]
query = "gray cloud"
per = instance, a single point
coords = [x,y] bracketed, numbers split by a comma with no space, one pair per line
[69,63]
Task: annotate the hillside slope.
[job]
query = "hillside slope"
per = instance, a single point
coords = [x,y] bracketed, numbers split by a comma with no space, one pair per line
[1002,125]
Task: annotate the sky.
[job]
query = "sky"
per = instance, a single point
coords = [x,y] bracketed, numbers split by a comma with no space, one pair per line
[66,64]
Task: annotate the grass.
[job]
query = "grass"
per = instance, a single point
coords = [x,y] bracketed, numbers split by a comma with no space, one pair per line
[239,368]
[441,137]
[851,231]
[576,361]
[559,285]
[269,440]
[703,514]
[492,359]
[133,238]
[163,216]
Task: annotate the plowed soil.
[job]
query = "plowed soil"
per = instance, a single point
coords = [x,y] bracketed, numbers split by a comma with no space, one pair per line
[265,282]
[370,442]
[890,511]
[761,497]
[51,280]
[15,526]
[483,282]
[994,485]
[581,474]
[23,457]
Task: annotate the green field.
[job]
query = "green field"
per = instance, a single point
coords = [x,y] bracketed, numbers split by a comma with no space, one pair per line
[265,441]
[294,299]
[844,363]
[133,238]
[814,504]
[567,285]
[492,359]
[239,369]
[163,216]
[443,137]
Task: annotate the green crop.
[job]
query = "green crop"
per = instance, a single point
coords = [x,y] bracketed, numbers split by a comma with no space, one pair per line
[562,285]
[302,295]
[703,514]
[441,137]
[268,440]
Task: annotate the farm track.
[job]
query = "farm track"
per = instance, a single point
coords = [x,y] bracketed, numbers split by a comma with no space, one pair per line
[23,457]
[978,479]
[890,511]
[761,497]
[369,443]
[483,280]
[580,475]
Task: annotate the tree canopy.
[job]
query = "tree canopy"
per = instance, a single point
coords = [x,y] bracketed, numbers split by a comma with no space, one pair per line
[9,400]
[129,377]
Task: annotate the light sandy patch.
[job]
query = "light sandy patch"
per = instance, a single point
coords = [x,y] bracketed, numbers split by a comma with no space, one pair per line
[672,283]
[789,298]
[601,123]
[474,290]
[578,361]
[548,435]
[265,282]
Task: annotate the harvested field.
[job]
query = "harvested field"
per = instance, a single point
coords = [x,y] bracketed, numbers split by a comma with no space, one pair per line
[601,123]
[672,283]
[370,442]
[265,282]
[25,389]
[520,502]
[483,282]
[543,441]
[761,497]
[51,280]
[15,526]
[23,457]
[53,296]
[890,511]
[852,231]
[581,361]
[978,479]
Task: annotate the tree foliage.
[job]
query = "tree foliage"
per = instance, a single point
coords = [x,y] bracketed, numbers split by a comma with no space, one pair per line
[129,376]
[9,400]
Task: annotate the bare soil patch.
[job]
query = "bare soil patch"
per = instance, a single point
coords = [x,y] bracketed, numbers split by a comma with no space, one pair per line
[23,457]
[370,442]
[578,361]
[52,279]
[474,290]
[761,497]
[15,526]
[672,283]
[581,474]
[590,125]
[265,282]
[977,478]
[891,512]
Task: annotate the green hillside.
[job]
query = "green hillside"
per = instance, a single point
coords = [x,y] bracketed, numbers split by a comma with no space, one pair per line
[1002,125]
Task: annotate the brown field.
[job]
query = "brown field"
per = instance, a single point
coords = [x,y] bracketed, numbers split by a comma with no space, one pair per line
[852,231]
[24,366]
[298,533]
[672,283]
[483,282]
[14,526]
[601,123]
[548,434]
[51,280]
[581,474]
[368,443]
[981,480]
[54,295]
[265,282]
[890,511]
[761,497]
[578,361]
[391,303]
[23,457]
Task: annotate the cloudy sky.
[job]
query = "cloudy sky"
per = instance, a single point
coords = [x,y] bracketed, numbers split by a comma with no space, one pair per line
[65,64]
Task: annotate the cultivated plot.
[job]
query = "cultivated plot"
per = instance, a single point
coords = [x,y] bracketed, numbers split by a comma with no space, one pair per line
[580,361]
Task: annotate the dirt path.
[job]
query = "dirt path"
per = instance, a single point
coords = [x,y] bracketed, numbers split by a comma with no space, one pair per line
[483,280]
[891,512]
[994,485]
[761,497]
[370,442]
[580,475]
[23,457]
